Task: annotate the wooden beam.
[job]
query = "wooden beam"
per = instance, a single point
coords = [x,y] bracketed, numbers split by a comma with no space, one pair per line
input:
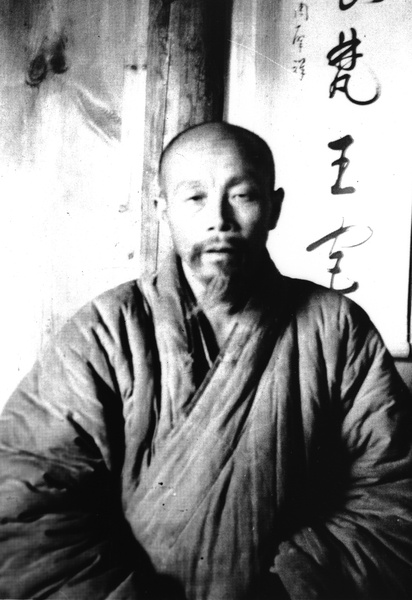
[185,82]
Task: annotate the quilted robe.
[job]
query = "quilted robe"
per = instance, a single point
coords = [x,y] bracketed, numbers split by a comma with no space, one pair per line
[125,475]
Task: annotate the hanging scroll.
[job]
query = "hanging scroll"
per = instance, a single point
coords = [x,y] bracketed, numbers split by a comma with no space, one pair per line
[325,83]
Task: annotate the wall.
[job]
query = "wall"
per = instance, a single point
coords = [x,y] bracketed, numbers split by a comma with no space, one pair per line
[73,100]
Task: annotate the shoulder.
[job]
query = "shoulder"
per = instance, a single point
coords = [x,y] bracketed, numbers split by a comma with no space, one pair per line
[307,296]
[325,310]
[334,331]
[111,317]
[126,298]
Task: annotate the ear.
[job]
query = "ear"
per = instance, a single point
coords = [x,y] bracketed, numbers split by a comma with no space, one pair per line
[276,199]
[161,207]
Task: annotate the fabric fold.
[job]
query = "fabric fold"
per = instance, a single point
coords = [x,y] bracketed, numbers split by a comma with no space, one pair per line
[185,488]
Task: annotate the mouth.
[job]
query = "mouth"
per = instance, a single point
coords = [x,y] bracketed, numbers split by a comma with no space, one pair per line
[221,253]
[230,245]
[221,250]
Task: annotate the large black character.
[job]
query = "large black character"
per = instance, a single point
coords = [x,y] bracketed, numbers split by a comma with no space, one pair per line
[344,57]
[362,235]
[342,162]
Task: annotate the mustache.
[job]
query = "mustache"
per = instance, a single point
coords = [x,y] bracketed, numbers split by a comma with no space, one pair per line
[219,243]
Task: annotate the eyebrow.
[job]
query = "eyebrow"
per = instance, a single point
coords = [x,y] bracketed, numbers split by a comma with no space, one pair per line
[239,179]
[187,184]
[247,178]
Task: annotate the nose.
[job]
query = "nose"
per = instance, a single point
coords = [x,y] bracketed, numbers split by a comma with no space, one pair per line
[220,216]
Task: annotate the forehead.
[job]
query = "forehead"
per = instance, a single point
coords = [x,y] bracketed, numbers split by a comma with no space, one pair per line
[206,155]
[205,148]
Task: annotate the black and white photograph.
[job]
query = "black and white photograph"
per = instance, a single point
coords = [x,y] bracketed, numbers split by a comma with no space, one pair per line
[206,242]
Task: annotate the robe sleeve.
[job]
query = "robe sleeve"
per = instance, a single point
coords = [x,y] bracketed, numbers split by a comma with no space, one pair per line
[62,531]
[359,545]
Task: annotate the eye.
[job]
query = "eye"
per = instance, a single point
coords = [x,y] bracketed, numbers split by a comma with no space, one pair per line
[195,199]
[244,192]
[244,196]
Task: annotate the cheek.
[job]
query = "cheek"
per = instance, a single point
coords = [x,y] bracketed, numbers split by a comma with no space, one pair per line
[185,223]
[182,234]
[254,219]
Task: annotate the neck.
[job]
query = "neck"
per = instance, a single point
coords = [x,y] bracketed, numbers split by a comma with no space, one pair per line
[221,309]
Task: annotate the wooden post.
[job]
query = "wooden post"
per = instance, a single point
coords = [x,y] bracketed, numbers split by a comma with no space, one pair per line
[185,82]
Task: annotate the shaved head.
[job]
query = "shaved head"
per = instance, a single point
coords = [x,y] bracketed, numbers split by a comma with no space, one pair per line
[252,147]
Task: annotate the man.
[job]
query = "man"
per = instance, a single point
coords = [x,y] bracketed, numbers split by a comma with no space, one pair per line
[216,431]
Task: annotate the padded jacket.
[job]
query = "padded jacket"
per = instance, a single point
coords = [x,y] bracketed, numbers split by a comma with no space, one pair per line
[122,478]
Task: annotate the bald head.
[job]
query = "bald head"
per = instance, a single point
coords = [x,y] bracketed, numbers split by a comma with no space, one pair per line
[252,148]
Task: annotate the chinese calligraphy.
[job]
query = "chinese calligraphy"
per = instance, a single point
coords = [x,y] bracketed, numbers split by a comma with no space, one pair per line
[302,11]
[301,15]
[349,236]
[342,162]
[299,67]
[344,57]
[298,37]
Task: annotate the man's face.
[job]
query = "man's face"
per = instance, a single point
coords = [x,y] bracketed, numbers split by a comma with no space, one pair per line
[219,206]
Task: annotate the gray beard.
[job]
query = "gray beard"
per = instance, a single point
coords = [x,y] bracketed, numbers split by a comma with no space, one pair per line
[225,288]
[218,290]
